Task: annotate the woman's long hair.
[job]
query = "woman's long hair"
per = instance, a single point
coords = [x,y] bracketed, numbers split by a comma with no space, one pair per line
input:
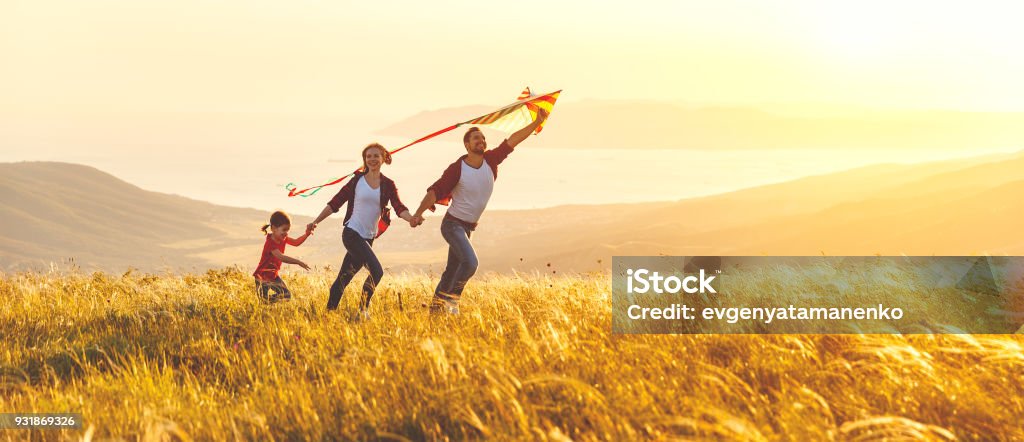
[384,152]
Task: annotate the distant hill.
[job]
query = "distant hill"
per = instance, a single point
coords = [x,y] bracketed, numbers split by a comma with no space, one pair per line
[68,213]
[647,124]
[944,208]
[71,215]
[53,212]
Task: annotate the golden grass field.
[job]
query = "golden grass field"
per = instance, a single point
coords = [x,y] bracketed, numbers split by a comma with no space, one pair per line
[197,357]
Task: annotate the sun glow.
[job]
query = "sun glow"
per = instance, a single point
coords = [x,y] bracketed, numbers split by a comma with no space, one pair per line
[865,29]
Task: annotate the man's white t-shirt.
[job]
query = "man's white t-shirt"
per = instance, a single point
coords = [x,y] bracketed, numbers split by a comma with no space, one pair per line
[470,195]
[365,210]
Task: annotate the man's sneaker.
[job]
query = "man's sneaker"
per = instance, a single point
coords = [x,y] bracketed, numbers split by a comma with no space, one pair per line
[436,304]
[446,303]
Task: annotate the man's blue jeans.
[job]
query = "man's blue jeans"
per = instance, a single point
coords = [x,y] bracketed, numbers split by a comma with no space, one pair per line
[462,260]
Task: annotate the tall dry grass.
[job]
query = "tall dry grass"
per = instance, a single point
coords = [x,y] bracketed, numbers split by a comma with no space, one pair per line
[150,357]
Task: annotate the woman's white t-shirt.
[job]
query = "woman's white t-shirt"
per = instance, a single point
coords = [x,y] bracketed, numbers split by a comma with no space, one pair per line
[365,210]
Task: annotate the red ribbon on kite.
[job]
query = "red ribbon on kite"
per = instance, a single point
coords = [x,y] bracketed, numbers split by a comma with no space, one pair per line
[508,119]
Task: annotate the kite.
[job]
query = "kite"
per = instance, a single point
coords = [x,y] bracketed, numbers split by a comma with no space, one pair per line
[507,119]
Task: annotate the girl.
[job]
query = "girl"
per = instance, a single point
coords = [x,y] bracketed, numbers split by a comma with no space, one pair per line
[273,255]
[366,218]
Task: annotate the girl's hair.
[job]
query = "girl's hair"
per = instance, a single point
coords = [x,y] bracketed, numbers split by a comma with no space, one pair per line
[278,218]
[383,151]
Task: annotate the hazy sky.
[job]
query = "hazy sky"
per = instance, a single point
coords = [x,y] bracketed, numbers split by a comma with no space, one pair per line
[217,98]
[392,59]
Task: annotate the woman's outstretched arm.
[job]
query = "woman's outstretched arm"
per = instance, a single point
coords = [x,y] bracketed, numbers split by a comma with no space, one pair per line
[328,211]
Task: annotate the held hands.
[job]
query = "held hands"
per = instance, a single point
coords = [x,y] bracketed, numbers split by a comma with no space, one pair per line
[310,228]
[416,220]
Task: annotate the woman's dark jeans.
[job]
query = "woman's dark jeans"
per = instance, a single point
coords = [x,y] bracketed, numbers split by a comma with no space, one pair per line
[359,254]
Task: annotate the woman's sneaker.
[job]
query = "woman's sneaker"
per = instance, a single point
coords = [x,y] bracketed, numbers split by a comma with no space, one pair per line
[364,307]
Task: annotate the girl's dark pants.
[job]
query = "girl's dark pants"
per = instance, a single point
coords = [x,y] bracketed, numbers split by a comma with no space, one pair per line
[281,291]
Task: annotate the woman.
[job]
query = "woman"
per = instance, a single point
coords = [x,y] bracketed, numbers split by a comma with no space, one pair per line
[367,194]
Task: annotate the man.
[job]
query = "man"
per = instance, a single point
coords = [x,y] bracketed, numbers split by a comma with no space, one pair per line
[467,184]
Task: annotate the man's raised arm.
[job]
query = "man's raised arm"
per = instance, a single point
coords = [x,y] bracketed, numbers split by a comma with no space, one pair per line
[520,135]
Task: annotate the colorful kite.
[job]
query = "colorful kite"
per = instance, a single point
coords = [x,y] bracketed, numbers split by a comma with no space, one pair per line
[507,119]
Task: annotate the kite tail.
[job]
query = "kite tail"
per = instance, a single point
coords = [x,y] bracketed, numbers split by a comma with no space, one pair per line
[292,192]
